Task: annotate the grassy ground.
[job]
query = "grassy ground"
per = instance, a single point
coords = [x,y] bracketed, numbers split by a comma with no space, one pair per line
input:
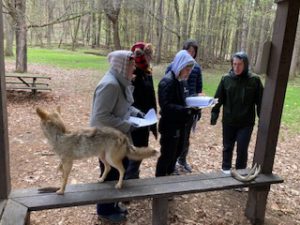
[80,60]
[67,59]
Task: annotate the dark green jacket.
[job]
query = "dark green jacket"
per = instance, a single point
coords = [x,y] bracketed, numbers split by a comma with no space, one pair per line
[239,95]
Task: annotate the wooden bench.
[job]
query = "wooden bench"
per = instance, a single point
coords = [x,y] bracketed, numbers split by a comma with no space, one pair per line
[157,188]
[29,81]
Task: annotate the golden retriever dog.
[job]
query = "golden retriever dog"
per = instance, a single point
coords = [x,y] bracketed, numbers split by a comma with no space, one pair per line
[107,143]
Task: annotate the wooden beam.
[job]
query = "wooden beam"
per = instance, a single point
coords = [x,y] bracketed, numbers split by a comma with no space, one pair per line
[4,152]
[14,214]
[272,103]
[276,82]
[160,187]
[2,206]
[160,211]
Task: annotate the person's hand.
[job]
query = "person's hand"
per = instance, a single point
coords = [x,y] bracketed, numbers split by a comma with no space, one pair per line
[140,114]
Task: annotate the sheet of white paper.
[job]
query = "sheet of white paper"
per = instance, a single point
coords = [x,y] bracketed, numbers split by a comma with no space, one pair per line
[149,119]
[201,101]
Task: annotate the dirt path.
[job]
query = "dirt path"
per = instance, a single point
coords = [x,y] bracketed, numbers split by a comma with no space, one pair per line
[34,165]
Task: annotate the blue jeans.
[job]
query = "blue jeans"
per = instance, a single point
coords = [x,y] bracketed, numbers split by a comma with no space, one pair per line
[240,135]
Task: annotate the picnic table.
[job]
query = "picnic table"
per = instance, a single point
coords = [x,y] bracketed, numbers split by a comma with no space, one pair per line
[33,82]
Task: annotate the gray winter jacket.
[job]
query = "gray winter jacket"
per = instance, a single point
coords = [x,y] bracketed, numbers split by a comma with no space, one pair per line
[110,105]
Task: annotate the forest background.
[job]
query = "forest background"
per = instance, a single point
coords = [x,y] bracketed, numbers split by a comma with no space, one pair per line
[221,27]
[68,40]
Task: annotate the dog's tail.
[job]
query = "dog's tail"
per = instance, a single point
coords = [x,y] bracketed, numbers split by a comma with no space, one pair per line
[139,153]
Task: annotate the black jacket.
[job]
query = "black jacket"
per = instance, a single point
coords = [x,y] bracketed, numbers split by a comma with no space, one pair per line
[239,94]
[171,98]
[144,94]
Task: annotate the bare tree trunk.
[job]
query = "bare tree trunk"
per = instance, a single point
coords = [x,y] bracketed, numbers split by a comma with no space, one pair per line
[253,33]
[244,33]
[94,29]
[50,7]
[74,38]
[98,35]
[21,37]
[211,34]
[112,11]
[264,35]
[185,18]
[169,23]
[191,19]
[9,36]
[107,32]
[176,6]
[200,31]
[160,32]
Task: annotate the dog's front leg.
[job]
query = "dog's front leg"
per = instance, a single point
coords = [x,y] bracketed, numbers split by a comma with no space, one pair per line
[66,169]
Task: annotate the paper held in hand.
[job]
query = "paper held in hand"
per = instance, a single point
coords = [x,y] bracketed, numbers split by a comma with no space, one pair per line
[201,101]
[149,119]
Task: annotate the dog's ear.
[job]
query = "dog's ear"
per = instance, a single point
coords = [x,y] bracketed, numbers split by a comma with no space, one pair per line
[58,109]
[42,113]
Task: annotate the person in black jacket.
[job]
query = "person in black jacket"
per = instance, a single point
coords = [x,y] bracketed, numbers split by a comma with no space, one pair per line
[194,85]
[240,92]
[173,111]
[144,99]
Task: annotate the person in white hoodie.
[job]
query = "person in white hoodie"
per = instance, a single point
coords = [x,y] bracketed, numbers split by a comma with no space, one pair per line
[172,92]
[112,106]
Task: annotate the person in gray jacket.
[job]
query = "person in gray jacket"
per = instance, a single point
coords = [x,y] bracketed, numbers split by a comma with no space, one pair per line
[112,106]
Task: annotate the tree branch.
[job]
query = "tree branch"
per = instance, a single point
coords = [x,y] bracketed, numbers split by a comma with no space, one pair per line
[59,20]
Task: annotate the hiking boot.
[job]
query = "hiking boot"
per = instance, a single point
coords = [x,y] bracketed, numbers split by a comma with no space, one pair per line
[121,208]
[175,172]
[113,218]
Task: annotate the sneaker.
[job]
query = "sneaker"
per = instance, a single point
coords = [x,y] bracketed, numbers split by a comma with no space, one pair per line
[186,167]
[226,171]
[241,189]
[113,218]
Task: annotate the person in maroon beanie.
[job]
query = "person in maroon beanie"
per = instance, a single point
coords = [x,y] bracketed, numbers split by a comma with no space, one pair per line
[144,99]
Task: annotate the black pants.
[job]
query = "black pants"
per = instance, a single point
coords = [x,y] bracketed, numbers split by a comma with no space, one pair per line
[140,138]
[240,135]
[109,208]
[171,142]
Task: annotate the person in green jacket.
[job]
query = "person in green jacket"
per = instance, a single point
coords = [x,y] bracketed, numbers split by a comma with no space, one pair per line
[240,93]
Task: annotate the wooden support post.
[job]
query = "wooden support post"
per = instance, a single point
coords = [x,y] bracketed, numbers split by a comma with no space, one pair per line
[15,214]
[5,185]
[160,211]
[272,103]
